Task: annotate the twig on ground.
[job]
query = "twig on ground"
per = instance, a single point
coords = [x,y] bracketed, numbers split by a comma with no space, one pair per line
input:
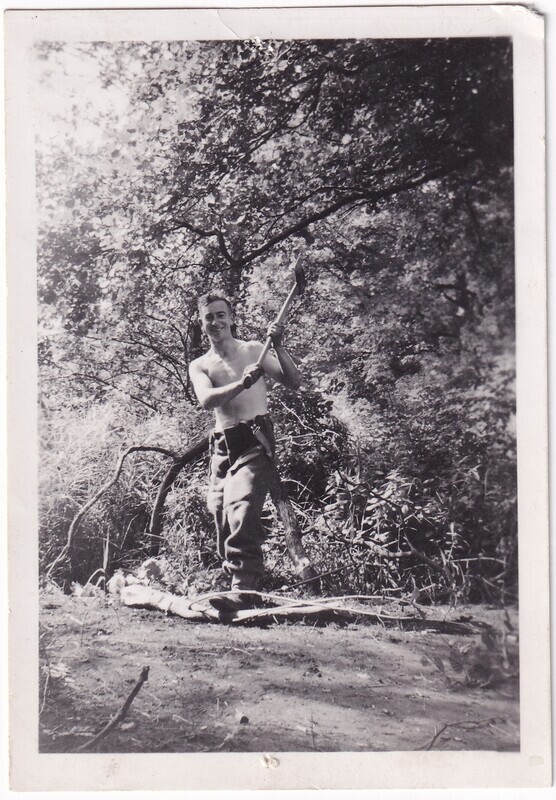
[120,716]
[227,689]
[464,724]
[225,741]
[178,718]
[431,743]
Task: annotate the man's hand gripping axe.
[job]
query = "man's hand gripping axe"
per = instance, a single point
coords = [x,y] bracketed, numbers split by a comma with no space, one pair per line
[297,289]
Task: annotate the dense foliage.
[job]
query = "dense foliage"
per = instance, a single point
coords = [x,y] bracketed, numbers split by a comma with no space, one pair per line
[388,166]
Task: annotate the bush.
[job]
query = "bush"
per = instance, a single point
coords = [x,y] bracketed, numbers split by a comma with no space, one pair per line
[447,531]
[394,533]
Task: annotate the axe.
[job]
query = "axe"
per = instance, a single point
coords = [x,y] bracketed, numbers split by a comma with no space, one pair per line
[297,289]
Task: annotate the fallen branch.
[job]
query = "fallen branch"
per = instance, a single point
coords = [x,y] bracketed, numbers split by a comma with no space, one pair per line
[140,596]
[156,522]
[325,610]
[146,597]
[430,744]
[120,716]
[66,550]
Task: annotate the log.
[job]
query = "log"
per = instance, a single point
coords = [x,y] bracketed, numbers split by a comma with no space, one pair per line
[140,596]
[322,609]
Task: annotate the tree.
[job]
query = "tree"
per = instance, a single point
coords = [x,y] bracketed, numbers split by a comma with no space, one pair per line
[387,163]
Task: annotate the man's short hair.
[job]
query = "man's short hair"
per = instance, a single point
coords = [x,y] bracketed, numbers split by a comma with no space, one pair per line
[212,297]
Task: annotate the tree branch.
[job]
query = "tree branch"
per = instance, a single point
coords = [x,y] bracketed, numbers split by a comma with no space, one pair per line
[120,716]
[360,195]
[67,549]
[371,196]
[95,378]
[156,522]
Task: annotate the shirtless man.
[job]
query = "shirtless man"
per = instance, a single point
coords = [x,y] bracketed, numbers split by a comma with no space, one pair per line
[242,443]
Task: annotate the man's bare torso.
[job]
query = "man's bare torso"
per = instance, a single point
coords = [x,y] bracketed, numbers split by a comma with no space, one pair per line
[223,370]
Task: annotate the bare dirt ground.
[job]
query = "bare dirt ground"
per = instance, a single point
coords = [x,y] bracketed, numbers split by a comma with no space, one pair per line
[285,687]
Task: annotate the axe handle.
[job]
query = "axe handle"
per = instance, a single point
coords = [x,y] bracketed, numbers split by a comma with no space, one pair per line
[264,351]
[279,319]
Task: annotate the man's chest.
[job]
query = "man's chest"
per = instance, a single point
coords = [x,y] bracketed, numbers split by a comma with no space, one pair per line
[222,371]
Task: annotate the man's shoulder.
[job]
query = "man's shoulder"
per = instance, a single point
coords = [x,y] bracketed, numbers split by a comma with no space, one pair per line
[249,344]
[200,362]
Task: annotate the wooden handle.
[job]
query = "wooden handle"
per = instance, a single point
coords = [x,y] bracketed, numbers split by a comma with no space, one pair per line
[247,383]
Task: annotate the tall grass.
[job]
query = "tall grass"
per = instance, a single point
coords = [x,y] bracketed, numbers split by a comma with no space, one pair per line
[78,454]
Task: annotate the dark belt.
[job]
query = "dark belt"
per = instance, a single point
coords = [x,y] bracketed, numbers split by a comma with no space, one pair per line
[239,438]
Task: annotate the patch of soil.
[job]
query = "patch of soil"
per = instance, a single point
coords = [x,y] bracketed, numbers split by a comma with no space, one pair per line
[285,687]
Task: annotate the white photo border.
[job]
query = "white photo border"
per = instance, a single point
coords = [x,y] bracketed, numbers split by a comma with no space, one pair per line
[32,771]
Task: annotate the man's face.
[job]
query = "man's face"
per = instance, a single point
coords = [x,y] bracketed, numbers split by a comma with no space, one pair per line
[216,320]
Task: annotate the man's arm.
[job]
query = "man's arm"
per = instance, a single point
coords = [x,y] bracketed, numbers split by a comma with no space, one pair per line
[281,368]
[210,396]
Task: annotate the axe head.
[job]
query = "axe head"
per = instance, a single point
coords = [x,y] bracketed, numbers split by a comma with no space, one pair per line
[300,279]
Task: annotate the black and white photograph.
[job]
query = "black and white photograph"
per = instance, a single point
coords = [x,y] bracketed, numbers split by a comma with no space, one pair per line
[276,362]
